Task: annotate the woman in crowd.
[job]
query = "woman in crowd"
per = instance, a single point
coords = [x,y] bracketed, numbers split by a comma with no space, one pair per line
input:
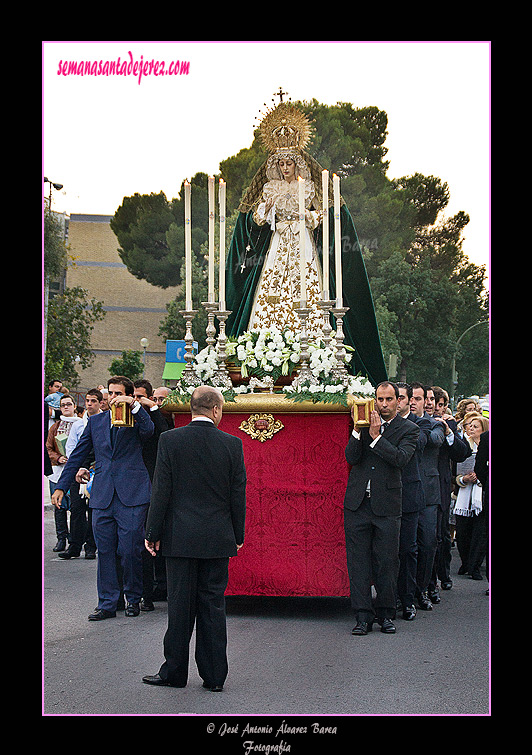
[471,519]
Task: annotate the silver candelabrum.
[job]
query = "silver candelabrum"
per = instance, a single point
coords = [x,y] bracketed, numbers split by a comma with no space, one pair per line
[189,377]
[221,377]
[305,373]
[340,371]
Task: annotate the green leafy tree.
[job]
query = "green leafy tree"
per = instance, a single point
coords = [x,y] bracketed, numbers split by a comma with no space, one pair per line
[426,292]
[128,364]
[54,247]
[71,319]
[150,231]
[173,326]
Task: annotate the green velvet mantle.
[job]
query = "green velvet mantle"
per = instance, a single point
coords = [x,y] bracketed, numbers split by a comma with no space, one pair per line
[248,248]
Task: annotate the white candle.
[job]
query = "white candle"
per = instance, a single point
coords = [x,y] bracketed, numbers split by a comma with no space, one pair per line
[325,233]
[188,251]
[221,201]
[302,240]
[337,241]
[211,239]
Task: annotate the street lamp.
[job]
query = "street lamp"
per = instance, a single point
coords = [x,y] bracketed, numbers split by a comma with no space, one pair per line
[56,186]
[144,343]
[454,374]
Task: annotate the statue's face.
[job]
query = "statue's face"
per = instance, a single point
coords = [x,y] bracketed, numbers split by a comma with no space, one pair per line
[288,169]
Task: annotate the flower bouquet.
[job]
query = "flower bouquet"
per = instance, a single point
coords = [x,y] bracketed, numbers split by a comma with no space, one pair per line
[264,353]
[324,385]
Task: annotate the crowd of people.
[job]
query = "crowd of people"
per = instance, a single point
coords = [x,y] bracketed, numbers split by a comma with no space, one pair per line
[413,487]
[418,485]
[65,423]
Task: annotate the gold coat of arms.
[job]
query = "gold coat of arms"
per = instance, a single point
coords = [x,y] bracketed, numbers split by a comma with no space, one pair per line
[261,426]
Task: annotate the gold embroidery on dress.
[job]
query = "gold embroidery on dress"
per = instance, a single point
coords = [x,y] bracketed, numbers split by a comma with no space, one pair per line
[280,283]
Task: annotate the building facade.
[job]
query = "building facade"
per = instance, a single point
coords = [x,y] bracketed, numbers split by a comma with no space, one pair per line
[134,308]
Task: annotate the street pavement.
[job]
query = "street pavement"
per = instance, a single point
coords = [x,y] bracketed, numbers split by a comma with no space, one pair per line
[288,658]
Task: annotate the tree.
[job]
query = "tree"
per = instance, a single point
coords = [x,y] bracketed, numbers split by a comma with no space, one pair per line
[71,318]
[128,364]
[54,247]
[173,326]
[426,292]
[150,231]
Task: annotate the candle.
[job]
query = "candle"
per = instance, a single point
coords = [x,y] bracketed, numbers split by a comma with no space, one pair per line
[325,233]
[211,239]
[221,201]
[302,240]
[188,251]
[337,241]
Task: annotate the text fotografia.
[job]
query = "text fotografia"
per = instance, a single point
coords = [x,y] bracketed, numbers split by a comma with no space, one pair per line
[251,746]
[127,67]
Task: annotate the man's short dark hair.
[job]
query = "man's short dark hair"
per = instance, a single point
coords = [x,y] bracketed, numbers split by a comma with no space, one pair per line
[146,385]
[124,381]
[95,392]
[407,387]
[420,385]
[440,393]
[386,383]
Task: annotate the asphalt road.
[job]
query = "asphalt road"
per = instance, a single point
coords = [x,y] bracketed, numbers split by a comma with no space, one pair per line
[288,658]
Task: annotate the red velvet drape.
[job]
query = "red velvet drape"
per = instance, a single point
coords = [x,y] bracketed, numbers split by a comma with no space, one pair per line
[294,542]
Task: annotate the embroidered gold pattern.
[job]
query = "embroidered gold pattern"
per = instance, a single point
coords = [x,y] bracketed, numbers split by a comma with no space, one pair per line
[261,426]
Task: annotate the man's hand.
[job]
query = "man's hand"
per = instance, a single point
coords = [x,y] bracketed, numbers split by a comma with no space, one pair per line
[82,475]
[152,547]
[375,424]
[447,430]
[57,497]
[147,403]
[122,400]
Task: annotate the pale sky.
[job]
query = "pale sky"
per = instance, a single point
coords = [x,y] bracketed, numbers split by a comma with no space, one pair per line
[107,137]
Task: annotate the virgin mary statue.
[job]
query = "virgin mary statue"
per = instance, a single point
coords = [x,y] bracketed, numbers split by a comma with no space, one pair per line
[263,264]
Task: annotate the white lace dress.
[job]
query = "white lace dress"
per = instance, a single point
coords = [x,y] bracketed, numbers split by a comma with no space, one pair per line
[279,289]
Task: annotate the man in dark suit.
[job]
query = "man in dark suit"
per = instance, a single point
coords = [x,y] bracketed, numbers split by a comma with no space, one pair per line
[372,509]
[413,501]
[119,497]
[154,569]
[455,449]
[196,518]
[428,516]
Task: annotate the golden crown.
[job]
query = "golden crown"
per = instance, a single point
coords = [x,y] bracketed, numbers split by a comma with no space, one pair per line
[285,126]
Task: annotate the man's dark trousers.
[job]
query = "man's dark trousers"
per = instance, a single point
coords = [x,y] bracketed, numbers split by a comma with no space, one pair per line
[196,595]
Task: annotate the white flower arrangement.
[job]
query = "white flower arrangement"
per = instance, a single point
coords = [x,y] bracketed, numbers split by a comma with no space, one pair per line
[274,353]
[205,364]
[265,352]
[324,386]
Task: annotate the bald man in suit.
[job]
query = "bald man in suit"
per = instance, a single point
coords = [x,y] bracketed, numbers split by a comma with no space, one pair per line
[196,518]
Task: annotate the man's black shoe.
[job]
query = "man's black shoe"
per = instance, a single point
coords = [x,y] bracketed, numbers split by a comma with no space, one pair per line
[100,614]
[156,681]
[69,553]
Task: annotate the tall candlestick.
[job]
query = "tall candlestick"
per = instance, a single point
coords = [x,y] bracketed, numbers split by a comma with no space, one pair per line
[188,250]
[337,241]
[303,297]
[221,201]
[325,233]
[211,240]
